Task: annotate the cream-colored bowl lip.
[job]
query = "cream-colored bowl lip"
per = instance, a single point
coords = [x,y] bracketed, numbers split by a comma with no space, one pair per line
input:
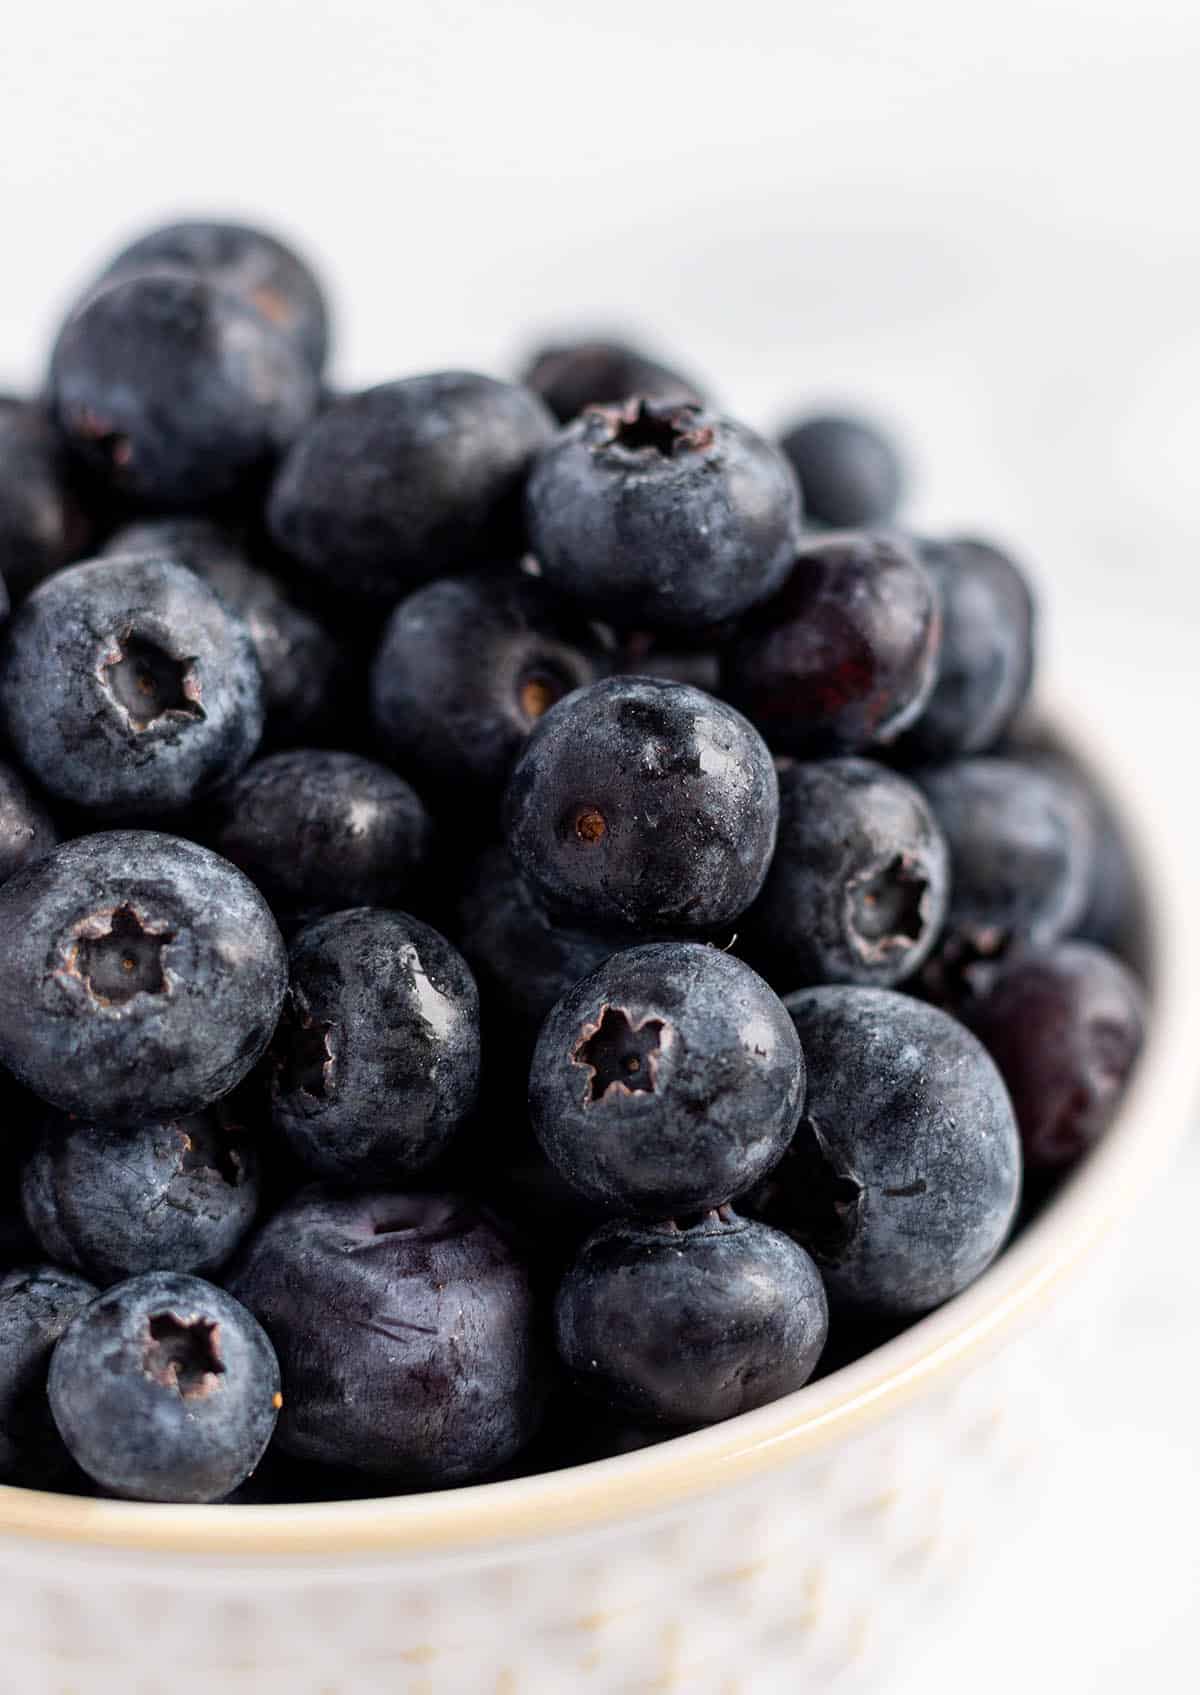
[606,1492]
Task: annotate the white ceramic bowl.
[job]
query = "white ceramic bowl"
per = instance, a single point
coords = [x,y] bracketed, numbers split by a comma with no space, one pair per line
[767,1554]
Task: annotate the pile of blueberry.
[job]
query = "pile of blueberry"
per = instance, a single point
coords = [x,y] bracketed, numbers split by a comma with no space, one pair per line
[531,916]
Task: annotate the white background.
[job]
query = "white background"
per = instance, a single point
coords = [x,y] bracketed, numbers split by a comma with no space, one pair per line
[983,221]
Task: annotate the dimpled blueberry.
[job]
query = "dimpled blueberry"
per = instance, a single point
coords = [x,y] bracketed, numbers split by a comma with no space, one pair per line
[904,1175]
[249,263]
[165,1388]
[318,830]
[849,470]
[643,804]
[687,1326]
[662,516]
[595,373]
[858,887]
[408,481]
[160,1197]
[43,522]
[406,1331]
[27,830]
[141,979]
[845,656]
[376,1062]
[466,668]
[37,1302]
[668,1081]
[126,686]
[175,393]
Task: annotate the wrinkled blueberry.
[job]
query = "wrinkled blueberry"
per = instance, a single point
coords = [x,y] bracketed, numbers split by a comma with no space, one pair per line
[668,1081]
[407,481]
[859,884]
[687,1324]
[376,1062]
[406,1331]
[466,668]
[37,1302]
[175,393]
[27,830]
[596,373]
[126,687]
[1065,1026]
[903,1178]
[162,1197]
[658,515]
[317,831]
[141,977]
[845,656]
[165,1388]
[643,804]
[850,472]
[44,523]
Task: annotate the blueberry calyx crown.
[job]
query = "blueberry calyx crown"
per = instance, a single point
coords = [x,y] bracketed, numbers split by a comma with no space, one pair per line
[184,1354]
[621,1056]
[888,908]
[303,1053]
[148,683]
[639,426]
[123,961]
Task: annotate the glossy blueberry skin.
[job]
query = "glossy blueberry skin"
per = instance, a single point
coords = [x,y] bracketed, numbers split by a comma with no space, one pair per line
[904,1176]
[689,1326]
[986,664]
[376,1064]
[1020,859]
[27,830]
[572,375]
[844,658]
[662,516]
[44,522]
[668,1081]
[256,267]
[165,1388]
[1065,1025]
[175,394]
[142,977]
[317,831]
[37,1302]
[850,472]
[406,1330]
[409,481]
[859,885]
[126,687]
[161,1197]
[298,658]
[467,666]
[523,961]
[645,805]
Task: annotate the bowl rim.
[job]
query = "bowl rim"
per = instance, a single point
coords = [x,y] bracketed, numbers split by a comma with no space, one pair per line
[649,1482]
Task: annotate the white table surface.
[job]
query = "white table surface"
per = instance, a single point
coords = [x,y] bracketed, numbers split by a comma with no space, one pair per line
[983,222]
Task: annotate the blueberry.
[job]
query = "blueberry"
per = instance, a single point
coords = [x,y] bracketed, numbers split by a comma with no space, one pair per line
[689,1325]
[318,831]
[1065,1026]
[406,1331]
[163,1197]
[37,1302]
[643,804]
[904,1175]
[165,1388]
[522,960]
[256,267]
[466,668]
[858,888]
[44,523]
[174,393]
[640,653]
[985,668]
[405,482]
[141,977]
[1020,860]
[844,657]
[27,830]
[127,687]
[594,373]
[668,1081]
[376,1062]
[850,472]
[662,516]
[298,658]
